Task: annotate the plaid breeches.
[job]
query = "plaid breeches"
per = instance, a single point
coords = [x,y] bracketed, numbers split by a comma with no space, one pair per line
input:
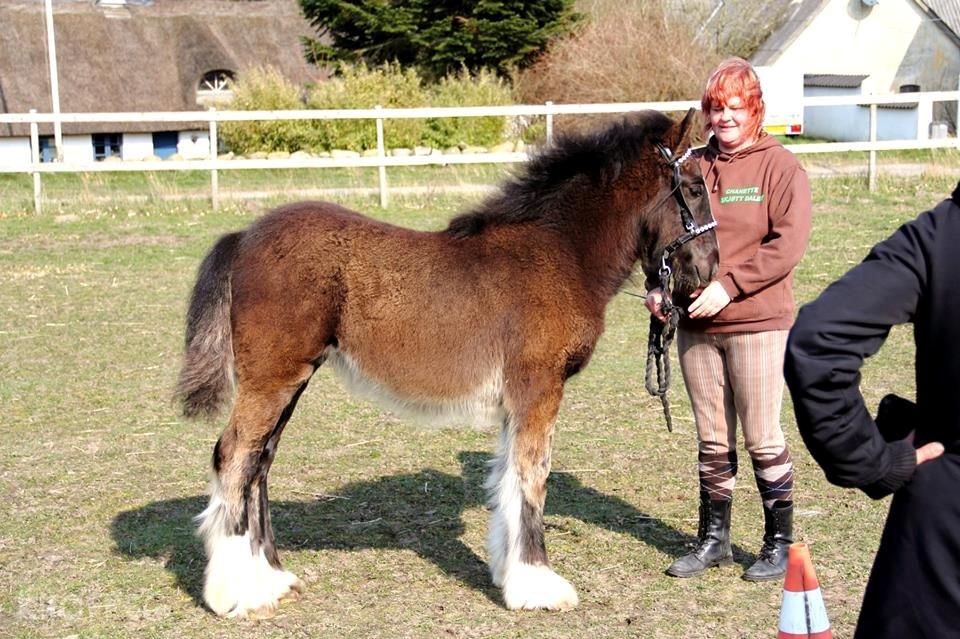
[731,376]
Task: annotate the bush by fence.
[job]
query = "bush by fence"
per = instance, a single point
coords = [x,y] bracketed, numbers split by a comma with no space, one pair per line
[360,87]
[267,89]
[483,89]
[633,52]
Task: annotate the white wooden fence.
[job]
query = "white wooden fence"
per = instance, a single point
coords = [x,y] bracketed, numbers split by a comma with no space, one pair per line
[381,115]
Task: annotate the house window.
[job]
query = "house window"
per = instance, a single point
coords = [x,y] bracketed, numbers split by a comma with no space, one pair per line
[165,143]
[106,145]
[215,87]
[216,81]
[48,148]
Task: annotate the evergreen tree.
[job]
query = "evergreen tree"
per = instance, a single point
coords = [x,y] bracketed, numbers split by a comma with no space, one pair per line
[438,36]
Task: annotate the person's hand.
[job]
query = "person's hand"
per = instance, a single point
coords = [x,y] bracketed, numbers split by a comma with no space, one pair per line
[929,451]
[708,302]
[654,303]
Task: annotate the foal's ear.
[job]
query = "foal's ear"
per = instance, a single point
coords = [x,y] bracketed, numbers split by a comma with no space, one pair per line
[686,129]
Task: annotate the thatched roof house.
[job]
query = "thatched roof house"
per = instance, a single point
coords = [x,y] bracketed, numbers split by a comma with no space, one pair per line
[141,55]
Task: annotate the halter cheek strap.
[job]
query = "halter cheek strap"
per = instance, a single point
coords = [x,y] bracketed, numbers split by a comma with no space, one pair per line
[661,333]
[693,230]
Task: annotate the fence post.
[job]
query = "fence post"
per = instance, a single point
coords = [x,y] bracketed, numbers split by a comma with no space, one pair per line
[924,117]
[872,169]
[549,104]
[381,169]
[212,155]
[35,159]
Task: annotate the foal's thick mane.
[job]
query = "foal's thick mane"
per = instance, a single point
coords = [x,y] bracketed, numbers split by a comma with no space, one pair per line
[530,195]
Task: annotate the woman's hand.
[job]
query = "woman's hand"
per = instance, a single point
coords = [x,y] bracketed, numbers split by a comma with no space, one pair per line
[654,303]
[708,302]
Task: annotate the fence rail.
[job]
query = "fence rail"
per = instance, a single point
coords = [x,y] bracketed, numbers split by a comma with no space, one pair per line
[382,161]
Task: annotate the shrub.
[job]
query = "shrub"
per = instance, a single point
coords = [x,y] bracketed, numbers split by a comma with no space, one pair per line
[265,88]
[464,89]
[360,87]
[626,52]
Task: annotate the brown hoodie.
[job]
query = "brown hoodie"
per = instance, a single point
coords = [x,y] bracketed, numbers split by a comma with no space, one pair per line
[761,200]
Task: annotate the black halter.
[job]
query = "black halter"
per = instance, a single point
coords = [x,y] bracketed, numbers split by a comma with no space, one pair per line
[689,224]
[661,334]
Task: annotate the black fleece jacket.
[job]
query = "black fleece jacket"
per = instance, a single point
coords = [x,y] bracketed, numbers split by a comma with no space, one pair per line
[914,276]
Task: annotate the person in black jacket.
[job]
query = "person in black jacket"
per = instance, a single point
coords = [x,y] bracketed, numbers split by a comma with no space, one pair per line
[914,276]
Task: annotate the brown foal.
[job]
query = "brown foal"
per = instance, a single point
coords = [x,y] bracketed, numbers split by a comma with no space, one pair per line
[485,319]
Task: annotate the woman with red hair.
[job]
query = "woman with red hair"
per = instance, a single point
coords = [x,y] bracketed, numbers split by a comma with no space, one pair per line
[731,341]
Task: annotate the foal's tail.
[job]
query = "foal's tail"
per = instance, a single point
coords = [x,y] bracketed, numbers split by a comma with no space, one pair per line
[206,379]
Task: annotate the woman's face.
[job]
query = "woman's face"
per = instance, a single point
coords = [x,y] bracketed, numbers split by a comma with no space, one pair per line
[729,123]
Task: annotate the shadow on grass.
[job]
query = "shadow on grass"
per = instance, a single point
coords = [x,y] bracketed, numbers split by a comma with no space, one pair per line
[419,512]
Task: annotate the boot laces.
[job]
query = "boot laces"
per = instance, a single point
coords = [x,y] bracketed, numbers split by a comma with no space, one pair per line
[768,551]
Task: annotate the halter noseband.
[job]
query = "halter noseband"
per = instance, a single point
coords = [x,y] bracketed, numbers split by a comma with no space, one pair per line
[661,333]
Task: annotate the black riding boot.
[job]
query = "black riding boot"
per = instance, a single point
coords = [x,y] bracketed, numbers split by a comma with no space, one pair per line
[713,540]
[778,535]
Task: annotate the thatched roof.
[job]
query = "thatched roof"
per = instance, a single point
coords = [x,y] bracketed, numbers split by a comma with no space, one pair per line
[145,56]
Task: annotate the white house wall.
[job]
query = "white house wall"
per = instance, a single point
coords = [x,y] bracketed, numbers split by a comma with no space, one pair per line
[849,38]
[14,150]
[194,145]
[933,62]
[137,146]
[77,148]
[851,123]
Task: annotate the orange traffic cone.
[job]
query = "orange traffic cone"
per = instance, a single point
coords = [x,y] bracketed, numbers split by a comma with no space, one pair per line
[802,614]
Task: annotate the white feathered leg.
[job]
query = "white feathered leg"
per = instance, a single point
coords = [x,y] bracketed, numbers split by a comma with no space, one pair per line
[524,585]
[239,583]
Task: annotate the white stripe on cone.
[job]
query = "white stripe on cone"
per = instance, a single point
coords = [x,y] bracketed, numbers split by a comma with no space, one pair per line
[797,607]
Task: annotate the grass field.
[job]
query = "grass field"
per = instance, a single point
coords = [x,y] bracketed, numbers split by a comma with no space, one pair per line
[384,520]
[63,192]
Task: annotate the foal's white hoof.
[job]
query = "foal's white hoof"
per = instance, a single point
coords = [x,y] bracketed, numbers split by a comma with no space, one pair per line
[253,600]
[239,584]
[527,587]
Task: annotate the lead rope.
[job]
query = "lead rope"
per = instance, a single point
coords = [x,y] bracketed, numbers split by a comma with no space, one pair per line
[659,338]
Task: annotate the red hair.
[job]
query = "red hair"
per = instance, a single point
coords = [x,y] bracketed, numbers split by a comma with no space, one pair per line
[735,78]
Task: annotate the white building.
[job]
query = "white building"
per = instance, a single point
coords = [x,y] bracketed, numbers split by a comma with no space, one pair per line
[846,47]
[136,56]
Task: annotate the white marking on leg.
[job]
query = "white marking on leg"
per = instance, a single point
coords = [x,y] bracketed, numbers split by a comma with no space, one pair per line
[525,586]
[529,587]
[504,500]
[238,582]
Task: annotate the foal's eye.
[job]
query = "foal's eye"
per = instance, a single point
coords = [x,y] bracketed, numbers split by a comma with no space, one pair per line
[696,190]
